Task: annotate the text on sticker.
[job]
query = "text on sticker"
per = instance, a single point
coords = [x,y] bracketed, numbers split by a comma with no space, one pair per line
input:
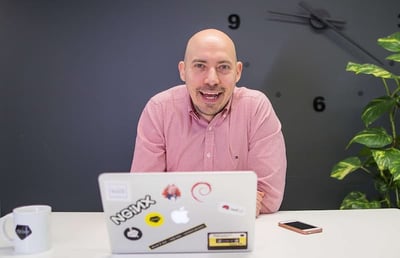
[132,210]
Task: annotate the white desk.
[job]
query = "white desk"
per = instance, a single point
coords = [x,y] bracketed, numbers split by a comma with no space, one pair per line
[349,233]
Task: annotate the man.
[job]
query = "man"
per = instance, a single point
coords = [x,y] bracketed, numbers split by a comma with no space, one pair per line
[211,124]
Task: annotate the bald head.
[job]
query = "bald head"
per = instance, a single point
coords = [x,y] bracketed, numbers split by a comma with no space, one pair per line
[210,38]
[210,71]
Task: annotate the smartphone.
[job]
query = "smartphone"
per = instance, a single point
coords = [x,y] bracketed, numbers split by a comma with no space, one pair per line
[300,227]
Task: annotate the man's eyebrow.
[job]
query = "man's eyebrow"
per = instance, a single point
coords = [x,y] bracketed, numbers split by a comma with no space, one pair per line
[199,61]
[204,61]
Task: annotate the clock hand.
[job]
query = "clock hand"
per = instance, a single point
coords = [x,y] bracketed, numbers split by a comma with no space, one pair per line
[335,21]
[305,6]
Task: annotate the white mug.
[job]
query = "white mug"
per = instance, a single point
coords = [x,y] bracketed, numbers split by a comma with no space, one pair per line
[31,229]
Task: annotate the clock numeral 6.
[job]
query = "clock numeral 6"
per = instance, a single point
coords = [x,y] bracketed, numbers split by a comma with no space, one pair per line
[234,21]
[319,104]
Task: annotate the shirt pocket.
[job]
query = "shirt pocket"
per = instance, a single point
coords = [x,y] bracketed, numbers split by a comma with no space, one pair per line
[236,158]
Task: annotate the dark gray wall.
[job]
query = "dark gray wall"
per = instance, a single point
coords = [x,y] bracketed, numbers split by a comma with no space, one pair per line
[75,75]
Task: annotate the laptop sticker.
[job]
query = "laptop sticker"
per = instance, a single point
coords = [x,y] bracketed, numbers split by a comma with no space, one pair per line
[200,190]
[232,209]
[180,216]
[132,210]
[178,236]
[171,192]
[133,233]
[117,191]
[227,241]
[154,219]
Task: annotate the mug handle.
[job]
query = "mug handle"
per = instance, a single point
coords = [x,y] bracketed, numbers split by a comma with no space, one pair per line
[3,232]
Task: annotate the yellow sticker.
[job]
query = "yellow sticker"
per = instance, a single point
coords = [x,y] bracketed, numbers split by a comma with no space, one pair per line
[227,241]
[154,219]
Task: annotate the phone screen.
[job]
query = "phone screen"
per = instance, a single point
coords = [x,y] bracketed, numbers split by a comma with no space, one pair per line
[299,225]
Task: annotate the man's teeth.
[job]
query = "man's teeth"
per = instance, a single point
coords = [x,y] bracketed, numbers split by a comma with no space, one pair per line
[210,95]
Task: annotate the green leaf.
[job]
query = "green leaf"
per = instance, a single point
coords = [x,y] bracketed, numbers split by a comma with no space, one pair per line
[388,159]
[372,138]
[381,159]
[391,42]
[358,200]
[368,160]
[395,170]
[345,167]
[369,69]
[394,57]
[381,186]
[394,165]
[376,108]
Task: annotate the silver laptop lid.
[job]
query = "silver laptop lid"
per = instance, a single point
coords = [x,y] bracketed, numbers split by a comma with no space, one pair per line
[179,211]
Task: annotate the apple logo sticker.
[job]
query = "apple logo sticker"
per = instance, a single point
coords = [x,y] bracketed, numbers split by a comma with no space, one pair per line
[180,216]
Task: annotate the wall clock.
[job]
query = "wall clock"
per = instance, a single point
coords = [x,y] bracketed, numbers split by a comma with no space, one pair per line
[320,19]
[319,103]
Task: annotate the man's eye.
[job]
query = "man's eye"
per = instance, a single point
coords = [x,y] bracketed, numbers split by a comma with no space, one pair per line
[199,66]
[224,68]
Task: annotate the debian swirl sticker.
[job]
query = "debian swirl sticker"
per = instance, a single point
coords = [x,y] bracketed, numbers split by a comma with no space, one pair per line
[200,190]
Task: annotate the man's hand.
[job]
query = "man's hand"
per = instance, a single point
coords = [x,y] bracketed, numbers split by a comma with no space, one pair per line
[260,196]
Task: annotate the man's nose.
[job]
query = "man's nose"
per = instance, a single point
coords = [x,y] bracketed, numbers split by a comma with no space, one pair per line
[212,78]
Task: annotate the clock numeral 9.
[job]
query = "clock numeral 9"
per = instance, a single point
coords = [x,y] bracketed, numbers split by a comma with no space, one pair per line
[234,21]
[319,104]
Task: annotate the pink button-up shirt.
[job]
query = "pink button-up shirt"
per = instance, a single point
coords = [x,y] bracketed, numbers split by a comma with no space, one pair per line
[246,135]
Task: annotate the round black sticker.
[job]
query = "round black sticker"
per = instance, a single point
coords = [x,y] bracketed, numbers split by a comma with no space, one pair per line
[133,233]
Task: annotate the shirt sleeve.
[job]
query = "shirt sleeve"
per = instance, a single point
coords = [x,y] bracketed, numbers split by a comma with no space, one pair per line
[149,154]
[267,155]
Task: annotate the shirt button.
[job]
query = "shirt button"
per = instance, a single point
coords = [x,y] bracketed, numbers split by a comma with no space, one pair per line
[208,155]
[210,128]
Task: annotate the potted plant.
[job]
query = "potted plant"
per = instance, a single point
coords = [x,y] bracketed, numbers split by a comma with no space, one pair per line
[379,156]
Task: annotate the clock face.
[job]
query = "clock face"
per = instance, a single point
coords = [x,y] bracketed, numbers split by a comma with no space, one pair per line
[78,75]
[300,62]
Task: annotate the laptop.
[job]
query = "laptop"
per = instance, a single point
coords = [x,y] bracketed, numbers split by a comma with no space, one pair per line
[179,212]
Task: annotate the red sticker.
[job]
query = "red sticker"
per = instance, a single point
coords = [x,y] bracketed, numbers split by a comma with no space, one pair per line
[171,192]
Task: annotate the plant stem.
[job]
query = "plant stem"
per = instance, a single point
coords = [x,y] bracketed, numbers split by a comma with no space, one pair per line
[392,124]
[386,86]
[366,170]
[396,79]
[392,114]
[395,92]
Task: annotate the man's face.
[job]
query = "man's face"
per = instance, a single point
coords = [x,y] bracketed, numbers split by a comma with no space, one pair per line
[210,71]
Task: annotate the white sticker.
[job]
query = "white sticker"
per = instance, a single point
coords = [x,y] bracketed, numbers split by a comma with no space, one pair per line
[117,191]
[230,208]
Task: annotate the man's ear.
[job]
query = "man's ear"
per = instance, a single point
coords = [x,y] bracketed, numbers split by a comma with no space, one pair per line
[239,68]
[181,68]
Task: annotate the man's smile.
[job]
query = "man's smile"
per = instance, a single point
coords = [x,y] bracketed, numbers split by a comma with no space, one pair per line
[210,96]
